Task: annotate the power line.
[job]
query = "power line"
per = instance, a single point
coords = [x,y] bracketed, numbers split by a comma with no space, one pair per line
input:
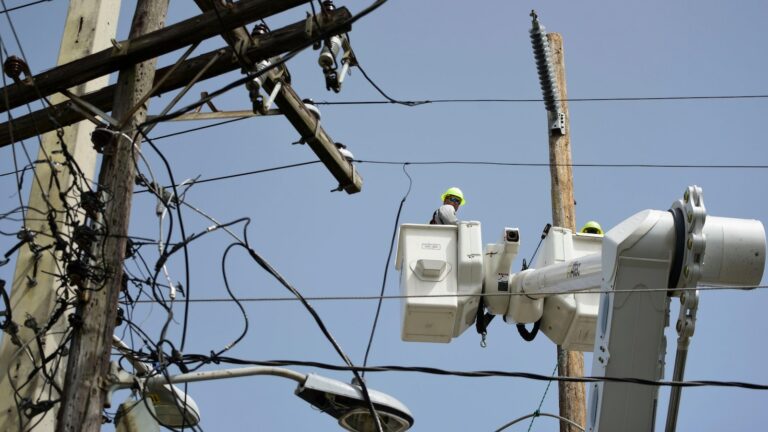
[401,297]
[22,6]
[247,173]
[411,103]
[199,128]
[486,373]
[581,165]
[478,163]
[386,267]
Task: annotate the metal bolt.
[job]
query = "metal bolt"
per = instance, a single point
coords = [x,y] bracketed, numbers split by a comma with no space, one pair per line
[686,272]
[686,195]
[690,242]
[690,216]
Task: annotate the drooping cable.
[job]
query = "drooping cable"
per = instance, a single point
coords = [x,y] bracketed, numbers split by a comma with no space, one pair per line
[360,381]
[183,236]
[386,268]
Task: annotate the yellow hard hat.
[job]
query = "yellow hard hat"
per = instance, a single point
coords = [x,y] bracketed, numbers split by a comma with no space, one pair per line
[592,227]
[455,192]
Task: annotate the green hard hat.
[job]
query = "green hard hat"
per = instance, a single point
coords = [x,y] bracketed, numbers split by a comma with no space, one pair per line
[455,192]
[592,227]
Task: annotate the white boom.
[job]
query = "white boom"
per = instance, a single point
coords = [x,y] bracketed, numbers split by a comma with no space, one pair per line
[610,295]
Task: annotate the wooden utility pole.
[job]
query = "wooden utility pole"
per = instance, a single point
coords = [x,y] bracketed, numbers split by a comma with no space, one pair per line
[85,389]
[569,363]
[89,27]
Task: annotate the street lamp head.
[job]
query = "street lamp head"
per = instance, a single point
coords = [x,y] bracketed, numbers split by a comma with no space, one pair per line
[346,403]
[173,407]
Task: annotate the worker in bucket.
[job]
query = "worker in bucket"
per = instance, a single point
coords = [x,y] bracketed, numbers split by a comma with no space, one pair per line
[446,214]
[592,227]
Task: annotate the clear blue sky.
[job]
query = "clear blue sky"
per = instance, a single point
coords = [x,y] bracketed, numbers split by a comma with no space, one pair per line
[334,244]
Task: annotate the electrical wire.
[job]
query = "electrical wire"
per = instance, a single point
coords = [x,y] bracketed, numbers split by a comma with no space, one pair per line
[575,165]
[412,103]
[247,173]
[364,388]
[386,268]
[492,374]
[195,129]
[541,402]
[6,10]
[390,100]
[184,239]
[479,163]
[402,297]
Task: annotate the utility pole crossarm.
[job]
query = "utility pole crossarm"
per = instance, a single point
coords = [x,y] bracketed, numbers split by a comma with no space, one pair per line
[292,106]
[315,136]
[269,45]
[151,45]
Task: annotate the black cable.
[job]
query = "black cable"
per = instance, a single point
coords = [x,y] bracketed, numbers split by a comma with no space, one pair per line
[386,268]
[400,297]
[544,234]
[528,335]
[498,374]
[10,129]
[390,101]
[381,92]
[363,387]
[575,165]
[261,171]
[184,241]
[21,6]
[197,129]
[232,296]
[516,164]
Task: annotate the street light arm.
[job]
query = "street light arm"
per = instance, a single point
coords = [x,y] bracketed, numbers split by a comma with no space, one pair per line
[128,381]
[343,401]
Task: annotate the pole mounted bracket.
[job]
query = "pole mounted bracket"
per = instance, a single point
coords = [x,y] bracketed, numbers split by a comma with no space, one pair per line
[557,123]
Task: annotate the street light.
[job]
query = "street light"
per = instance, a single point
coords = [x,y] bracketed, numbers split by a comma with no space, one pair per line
[344,402]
